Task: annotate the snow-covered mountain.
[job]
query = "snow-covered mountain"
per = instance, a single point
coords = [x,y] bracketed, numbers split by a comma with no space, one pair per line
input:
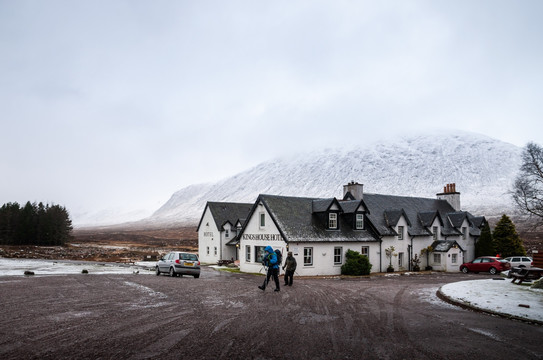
[482,168]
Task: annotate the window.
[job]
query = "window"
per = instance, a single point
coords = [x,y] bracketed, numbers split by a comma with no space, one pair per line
[259,253]
[308,256]
[207,250]
[338,255]
[454,258]
[400,232]
[359,221]
[262,219]
[332,221]
[435,232]
[464,233]
[190,257]
[400,259]
[248,253]
[477,261]
[365,251]
[227,233]
[437,258]
[215,251]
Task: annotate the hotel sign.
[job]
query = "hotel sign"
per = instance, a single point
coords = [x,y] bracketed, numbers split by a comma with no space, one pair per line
[267,237]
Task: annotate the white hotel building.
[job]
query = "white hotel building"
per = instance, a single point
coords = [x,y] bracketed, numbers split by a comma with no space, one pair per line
[320,231]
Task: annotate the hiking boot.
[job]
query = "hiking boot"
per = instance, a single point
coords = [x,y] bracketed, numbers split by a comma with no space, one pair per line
[261,287]
[274,290]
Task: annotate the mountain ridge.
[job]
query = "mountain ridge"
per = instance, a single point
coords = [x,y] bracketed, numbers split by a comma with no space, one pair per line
[483,169]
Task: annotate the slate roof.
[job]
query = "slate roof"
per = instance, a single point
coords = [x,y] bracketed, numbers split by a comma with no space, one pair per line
[297,222]
[322,205]
[444,245]
[420,213]
[350,206]
[224,212]
[302,219]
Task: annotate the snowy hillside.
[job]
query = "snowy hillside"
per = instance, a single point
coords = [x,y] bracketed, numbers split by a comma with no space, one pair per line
[482,168]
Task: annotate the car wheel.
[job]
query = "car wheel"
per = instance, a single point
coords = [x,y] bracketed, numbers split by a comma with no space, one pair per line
[465,270]
[157,271]
[172,272]
[196,276]
[492,271]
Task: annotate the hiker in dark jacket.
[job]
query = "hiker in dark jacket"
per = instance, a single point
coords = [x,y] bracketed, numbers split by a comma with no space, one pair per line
[270,260]
[290,265]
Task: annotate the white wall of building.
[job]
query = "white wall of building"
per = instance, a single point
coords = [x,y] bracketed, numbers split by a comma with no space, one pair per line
[467,243]
[228,252]
[323,259]
[209,239]
[256,235]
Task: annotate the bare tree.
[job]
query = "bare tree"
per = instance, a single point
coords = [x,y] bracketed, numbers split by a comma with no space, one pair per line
[528,189]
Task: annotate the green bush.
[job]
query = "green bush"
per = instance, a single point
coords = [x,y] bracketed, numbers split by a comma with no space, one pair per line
[355,264]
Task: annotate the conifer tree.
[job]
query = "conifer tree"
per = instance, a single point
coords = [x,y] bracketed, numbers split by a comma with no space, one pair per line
[485,244]
[34,224]
[506,239]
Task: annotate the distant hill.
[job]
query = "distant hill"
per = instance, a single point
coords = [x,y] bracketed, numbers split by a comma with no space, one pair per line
[483,169]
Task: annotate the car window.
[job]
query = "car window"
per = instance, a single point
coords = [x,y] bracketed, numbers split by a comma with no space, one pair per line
[170,256]
[188,257]
[526,259]
[516,259]
[488,260]
[476,261]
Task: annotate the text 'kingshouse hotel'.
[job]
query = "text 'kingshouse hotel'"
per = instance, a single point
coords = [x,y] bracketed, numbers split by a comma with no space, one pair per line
[319,231]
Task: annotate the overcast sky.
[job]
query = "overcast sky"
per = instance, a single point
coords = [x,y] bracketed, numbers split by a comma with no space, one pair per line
[118,104]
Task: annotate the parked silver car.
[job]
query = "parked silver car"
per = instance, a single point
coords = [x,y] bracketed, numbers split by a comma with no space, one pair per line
[520,261]
[179,263]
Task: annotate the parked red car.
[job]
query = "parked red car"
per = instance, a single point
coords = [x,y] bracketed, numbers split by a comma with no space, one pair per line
[491,264]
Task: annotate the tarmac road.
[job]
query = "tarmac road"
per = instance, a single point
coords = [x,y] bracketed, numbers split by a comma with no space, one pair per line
[225,316]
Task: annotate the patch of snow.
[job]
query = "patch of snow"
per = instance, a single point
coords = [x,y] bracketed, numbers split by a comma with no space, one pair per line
[15,267]
[498,296]
[430,295]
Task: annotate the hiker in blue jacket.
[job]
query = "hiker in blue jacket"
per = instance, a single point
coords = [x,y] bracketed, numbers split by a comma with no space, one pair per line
[270,260]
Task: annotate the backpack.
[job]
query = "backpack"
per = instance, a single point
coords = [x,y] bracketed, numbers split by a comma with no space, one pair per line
[279,257]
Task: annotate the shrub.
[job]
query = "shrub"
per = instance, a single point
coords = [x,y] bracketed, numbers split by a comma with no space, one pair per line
[538,284]
[355,264]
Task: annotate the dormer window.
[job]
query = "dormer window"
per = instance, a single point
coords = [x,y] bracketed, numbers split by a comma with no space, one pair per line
[435,232]
[226,233]
[400,232]
[359,223]
[332,220]
[262,220]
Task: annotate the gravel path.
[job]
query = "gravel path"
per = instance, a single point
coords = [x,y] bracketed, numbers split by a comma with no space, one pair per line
[225,316]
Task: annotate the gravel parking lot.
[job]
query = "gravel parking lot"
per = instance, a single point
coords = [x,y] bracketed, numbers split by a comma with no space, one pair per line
[225,316]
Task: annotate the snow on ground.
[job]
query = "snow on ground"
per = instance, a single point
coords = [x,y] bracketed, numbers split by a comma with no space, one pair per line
[14,267]
[498,296]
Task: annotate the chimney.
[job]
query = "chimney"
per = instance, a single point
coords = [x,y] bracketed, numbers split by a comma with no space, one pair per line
[355,189]
[449,193]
